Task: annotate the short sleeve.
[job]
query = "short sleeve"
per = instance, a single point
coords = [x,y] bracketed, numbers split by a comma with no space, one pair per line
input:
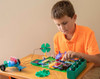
[92,46]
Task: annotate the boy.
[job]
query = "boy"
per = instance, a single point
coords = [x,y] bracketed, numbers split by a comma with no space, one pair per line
[76,41]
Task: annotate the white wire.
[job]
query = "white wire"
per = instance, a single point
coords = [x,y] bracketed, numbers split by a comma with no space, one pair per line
[27,61]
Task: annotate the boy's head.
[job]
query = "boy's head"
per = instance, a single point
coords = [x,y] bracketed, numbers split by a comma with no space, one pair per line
[62,8]
[64,16]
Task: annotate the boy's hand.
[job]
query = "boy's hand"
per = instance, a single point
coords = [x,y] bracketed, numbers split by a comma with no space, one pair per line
[71,54]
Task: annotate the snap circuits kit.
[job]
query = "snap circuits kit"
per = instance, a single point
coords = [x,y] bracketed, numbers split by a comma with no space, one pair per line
[73,67]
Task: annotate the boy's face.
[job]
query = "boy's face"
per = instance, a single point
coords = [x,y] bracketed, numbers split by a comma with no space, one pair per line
[66,24]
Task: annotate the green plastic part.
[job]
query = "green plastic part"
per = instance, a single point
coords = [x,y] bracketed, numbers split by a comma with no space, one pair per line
[48,49]
[75,69]
[43,73]
[45,47]
[5,63]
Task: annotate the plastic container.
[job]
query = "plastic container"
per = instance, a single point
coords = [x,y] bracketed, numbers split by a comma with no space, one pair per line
[74,70]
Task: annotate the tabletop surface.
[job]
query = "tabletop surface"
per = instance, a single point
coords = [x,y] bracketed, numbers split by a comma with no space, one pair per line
[30,70]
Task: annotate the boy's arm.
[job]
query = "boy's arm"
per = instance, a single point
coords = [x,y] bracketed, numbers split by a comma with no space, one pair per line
[92,50]
[91,58]
[91,45]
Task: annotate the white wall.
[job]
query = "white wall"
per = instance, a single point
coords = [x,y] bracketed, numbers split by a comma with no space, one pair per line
[26,24]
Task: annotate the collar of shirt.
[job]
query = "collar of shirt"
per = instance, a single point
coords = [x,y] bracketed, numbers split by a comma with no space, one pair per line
[74,37]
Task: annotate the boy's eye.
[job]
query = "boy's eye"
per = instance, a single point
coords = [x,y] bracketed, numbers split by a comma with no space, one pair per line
[58,24]
[64,23]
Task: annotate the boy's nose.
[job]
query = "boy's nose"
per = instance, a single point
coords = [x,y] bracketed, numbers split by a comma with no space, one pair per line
[62,27]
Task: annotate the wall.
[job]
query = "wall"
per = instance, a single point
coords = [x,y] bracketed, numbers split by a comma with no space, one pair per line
[26,24]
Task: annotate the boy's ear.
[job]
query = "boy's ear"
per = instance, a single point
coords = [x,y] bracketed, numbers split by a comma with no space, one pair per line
[75,17]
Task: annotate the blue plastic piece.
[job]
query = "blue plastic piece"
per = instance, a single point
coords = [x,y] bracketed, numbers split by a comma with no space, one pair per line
[59,55]
[11,63]
[20,67]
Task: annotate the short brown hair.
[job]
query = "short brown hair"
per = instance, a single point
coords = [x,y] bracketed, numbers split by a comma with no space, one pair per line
[61,9]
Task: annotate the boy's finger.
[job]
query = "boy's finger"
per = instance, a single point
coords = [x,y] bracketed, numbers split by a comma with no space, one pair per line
[69,55]
[64,58]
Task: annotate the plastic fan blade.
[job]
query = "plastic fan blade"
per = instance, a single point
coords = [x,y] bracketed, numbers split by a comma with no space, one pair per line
[43,45]
[43,50]
[48,49]
[47,45]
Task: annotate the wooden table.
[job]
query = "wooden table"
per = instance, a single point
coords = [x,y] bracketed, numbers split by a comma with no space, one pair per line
[30,70]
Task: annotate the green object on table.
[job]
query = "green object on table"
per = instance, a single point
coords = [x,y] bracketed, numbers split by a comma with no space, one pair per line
[43,73]
[75,69]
